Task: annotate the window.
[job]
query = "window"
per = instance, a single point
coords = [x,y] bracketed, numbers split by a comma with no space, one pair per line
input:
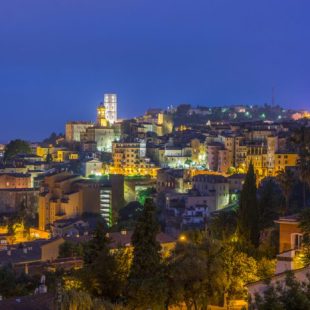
[296,240]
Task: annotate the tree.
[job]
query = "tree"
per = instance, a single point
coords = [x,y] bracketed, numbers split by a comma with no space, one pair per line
[195,272]
[269,202]
[49,157]
[286,180]
[7,282]
[73,300]
[52,139]
[144,194]
[290,295]
[223,225]
[15,285]
[248,213]
[301,140]
[304,225]
[146,287]
[130,213]
[100,274]
[239,269]
[70,249]
[15,147]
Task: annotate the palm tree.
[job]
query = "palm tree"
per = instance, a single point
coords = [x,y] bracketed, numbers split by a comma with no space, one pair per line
[286,180]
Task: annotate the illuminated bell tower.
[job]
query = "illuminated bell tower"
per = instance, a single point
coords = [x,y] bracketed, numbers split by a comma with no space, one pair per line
[110,103]
[101,116]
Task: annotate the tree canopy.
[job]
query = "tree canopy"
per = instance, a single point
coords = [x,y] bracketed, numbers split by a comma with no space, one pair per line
[248,213]
[15,147]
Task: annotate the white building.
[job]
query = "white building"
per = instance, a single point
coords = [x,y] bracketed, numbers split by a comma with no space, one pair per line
[110,103]
[92,167]
[214,186]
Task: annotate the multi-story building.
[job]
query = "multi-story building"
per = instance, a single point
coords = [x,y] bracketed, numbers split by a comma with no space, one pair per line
[240,152]
[213,149]
[64,196]
[174,156]
[129,158]
[176,180]
[283,160]
[12,199]
[102,137]
[102,134]
[236,182]
[215,186]
[75,129]
[15,180]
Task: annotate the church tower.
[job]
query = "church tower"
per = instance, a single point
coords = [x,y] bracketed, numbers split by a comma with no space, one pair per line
[101,116]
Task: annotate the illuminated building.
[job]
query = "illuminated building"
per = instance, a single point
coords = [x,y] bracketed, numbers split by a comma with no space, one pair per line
[175,156]
[43,151]
[164,124]
[15,180]
[101,137]
[110,104]
[75,129]
[288,259]
[58,154]
[262,155]
[129,158]
[228,141]
[62,155]
[101,116]
[285,159]
[236,182]
[66,196]
[157,121]
[172,180]
[213,155]
[214,186]
[198,152]
[240,152]
[92,167]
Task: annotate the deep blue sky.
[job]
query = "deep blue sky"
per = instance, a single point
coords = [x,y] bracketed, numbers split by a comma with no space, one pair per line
[58,57]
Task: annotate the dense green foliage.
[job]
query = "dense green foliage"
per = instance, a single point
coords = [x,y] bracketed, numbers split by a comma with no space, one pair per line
[146,278]
[248,213]
[269,203]
[15,285]
[144,194]
[15,147]
[70,249]
[128,216]
[294,295]
[100,274]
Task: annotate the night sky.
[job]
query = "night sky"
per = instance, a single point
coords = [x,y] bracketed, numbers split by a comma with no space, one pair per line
[58,57]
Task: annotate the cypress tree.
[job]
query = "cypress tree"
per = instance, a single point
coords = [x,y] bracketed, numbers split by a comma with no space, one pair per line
[248,213]
[146,280]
